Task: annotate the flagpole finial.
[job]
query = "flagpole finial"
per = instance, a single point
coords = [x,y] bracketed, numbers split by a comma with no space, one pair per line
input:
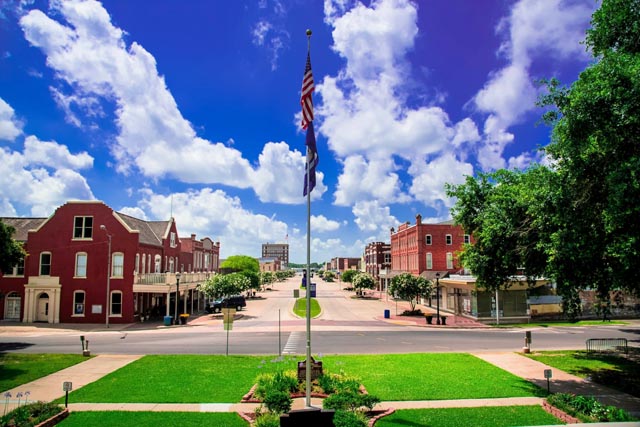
[308,33]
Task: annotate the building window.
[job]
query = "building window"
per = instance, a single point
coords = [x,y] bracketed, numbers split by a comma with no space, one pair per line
[449,239]
[45,263]
[18,269]
[116,303]
[171,265]
[137,267]
[427,239]
[429,261]
[172,243]
[387,258]
[449,260]
[83,227]
[81,265]
[467,239]
[78,303]
[117,264]
[158,261]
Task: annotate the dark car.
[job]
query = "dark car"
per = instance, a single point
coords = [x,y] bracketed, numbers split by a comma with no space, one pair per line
[235,301]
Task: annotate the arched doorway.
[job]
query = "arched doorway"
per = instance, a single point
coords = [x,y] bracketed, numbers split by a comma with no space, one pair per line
[42,311]
[12,307]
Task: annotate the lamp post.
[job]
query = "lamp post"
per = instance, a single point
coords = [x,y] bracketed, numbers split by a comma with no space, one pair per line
[175,321]
[107,305]
[437,298]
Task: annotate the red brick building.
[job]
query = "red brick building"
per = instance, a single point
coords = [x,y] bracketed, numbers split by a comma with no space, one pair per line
[199,255]
[340,264]
[86,260]
[427,248]
[377,261]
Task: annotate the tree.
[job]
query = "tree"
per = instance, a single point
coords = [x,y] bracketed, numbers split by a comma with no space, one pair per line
[11,252]
[348,275]
[408,287]
[363,281]
[329,276]
[596,153]
[267,278]
[241,263]
[222,285]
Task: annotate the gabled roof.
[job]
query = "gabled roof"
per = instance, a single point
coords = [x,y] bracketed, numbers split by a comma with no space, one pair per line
[22,226]
[160,228]
[148,234]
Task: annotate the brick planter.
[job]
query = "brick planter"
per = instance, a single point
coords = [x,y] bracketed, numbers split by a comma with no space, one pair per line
[55,419]
[563,416]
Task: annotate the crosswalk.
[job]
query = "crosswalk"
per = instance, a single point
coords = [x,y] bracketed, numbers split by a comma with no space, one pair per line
[295,340]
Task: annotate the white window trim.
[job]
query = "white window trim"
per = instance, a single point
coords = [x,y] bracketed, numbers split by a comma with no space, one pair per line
[430,237]
[449,260]
[73,314]
[448,239]
[467,238]
[83,228]
[40,263]
[429,261]
[86,265]
[111,304]
[113,265]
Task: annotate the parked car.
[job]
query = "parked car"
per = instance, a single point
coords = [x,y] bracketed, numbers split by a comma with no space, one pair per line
[234,301]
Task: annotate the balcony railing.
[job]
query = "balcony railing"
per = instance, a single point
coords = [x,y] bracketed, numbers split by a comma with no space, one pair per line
[170,278]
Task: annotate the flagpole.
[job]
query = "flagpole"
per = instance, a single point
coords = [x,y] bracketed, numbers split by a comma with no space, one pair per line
[308,290]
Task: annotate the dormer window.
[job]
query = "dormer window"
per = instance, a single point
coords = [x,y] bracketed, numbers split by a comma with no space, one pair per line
[172,242]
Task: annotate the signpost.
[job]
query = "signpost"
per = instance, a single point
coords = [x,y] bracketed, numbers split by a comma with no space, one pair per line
[548,374]
[66,387]
[227,323]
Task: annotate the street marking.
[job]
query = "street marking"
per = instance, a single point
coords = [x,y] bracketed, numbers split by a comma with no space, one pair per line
[292,343]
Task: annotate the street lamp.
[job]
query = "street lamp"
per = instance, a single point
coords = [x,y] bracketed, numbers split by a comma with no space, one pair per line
[437,298]
[107,308]
[175,321]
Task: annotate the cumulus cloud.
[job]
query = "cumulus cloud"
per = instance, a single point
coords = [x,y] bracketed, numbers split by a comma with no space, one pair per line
[321,223]
[364,111]
[553,27]
[373,216]
[54,155]
[10,127]
[90,56]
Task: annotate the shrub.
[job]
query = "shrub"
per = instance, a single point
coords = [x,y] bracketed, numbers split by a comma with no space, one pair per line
[349,419]
[268,420]
[587,408]
[327,383]
[278,401]
[30,414]
[281,381]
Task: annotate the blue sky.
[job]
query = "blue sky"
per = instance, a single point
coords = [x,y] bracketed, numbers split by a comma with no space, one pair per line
[192,108]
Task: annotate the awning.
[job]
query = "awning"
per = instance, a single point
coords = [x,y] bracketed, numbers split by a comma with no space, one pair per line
[431,275]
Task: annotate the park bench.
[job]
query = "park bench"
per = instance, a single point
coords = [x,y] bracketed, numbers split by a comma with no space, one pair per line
[607,344]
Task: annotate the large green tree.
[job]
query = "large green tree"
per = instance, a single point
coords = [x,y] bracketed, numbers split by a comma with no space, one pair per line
[409,287]
[11,252]
[596,153]
[576,221]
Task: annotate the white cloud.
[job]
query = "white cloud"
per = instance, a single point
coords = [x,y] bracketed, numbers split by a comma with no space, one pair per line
[553,27]
[10,127]
[216,215]
[321,223]
[364,112]
[372,216]
[54,155]
[90,55]
[366,180]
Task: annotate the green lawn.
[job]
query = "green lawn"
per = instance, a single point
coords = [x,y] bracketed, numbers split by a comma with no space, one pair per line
[431,376]
[17,368]
[477,417]
[300,307]
[612,370]
[181,379]
[152,419]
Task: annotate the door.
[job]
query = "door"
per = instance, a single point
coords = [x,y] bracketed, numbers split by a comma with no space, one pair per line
[43,308]
[13,308]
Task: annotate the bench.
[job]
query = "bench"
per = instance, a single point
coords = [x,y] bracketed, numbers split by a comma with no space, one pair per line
[607,344]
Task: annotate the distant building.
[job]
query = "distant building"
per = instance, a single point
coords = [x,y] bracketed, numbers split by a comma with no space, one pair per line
[88,264]
[424,249]
[277,250]
[377,262]
[341,264]
[199,255]
[269,264]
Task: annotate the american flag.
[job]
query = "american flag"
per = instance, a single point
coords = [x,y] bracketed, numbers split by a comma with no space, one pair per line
[306,99]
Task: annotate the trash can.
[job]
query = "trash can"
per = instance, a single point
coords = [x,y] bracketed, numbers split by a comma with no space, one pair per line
[444,319]
[387,314]
[167,320]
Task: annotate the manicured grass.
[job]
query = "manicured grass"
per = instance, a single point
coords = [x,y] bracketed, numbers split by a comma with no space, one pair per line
[181,379]
[17,368]
[300,307]
[612,370]
[562,324]
[430,376]
[152,419]
[478,417]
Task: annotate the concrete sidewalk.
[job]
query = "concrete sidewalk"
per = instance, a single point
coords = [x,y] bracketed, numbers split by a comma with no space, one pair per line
[50,387]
